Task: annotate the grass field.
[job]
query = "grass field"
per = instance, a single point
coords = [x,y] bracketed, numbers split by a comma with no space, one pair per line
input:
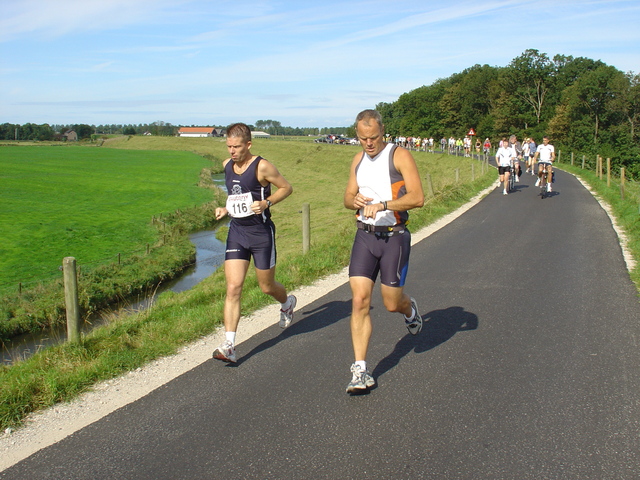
[89,203]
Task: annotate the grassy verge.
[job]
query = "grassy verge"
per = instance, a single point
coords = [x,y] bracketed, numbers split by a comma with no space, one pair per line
[318,173]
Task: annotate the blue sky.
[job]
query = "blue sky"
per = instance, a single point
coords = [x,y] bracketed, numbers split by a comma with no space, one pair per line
[305,64]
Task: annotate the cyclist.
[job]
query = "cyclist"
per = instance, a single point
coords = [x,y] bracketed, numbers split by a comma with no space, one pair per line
[546,154]
[504,157]
[516,146]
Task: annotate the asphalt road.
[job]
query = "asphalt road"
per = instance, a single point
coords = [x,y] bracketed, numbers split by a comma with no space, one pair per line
[528,367]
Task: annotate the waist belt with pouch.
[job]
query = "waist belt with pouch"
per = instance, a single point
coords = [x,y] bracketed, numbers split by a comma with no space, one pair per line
[381,229]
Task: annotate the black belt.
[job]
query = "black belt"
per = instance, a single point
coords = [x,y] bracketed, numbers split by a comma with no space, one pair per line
[400,227]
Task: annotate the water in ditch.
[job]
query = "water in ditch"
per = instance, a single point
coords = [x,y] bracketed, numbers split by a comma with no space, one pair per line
[209,256]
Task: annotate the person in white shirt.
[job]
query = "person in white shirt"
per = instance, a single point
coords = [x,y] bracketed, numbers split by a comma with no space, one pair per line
[384,184]
[546,153]
[515,145]
[525,154]
[504,156]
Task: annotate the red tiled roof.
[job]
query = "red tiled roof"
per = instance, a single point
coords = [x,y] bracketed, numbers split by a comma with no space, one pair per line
[196,130]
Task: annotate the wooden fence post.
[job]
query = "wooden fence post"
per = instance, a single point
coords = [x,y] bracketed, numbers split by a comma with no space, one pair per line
[71,298]
[608,172]
[622,183]
[599,167]
[583,160]
[306,227]
[572,159]
[429,185]
[473,172]
[457,175]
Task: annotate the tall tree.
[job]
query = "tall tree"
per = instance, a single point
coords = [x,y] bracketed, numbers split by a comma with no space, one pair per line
[529,77]
[590,97]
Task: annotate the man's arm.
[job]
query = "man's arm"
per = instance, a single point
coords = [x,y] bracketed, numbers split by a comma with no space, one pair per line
[222,211]
[414,198]
[268,173]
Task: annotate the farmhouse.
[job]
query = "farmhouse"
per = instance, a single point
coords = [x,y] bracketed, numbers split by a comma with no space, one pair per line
[200,132]
[260,135]
[70,136]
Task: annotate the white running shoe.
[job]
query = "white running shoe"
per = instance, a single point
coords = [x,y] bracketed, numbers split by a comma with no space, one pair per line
[548,187]
[517,178]
[286,316]
[537,182]
[414,325]
[361,380]
[225,352]
[504,192]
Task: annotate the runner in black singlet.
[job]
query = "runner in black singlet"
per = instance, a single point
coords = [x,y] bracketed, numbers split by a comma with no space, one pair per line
[251,232]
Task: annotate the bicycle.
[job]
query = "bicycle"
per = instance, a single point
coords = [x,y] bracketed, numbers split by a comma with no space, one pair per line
[544,180]
[512,176]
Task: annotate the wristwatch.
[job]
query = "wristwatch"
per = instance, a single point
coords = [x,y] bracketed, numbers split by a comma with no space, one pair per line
[268,203]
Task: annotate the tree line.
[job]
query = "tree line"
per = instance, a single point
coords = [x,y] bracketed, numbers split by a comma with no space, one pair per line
[583,105]
[46,132]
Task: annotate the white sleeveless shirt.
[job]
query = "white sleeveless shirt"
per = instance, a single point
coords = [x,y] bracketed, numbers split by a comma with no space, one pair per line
[378,178]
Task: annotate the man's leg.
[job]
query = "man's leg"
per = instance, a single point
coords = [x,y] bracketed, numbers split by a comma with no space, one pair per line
[269,285]
[395,300]
[361,289]
[235,272]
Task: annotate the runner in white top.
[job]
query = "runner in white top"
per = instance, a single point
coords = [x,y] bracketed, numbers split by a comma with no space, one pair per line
[504,157]
[384,183]
[545,154]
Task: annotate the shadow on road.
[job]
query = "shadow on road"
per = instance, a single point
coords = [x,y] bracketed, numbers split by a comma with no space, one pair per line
[320,317]
[439,326]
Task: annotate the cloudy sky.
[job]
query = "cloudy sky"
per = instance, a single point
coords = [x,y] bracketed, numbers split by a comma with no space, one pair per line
[305,64]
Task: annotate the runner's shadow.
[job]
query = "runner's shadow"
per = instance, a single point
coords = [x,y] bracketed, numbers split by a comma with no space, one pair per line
[320,317]
[439,326]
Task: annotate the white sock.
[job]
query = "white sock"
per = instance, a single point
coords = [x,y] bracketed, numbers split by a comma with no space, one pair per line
[286,304]
[231,336]
[362,363]
[413,314]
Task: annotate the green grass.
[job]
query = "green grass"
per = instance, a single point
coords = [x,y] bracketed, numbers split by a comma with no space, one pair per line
[318,174]
[88,203]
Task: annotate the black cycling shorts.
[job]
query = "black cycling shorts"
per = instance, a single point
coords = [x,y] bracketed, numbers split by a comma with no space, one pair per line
[388,255]
[245,241]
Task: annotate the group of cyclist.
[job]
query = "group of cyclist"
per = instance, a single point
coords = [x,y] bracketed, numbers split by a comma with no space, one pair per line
[511,151]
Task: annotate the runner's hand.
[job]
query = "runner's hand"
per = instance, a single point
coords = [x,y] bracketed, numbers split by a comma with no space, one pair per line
[360,201]
[221,212]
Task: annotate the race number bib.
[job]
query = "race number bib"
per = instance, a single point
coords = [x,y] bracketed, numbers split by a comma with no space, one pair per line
[239,206]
